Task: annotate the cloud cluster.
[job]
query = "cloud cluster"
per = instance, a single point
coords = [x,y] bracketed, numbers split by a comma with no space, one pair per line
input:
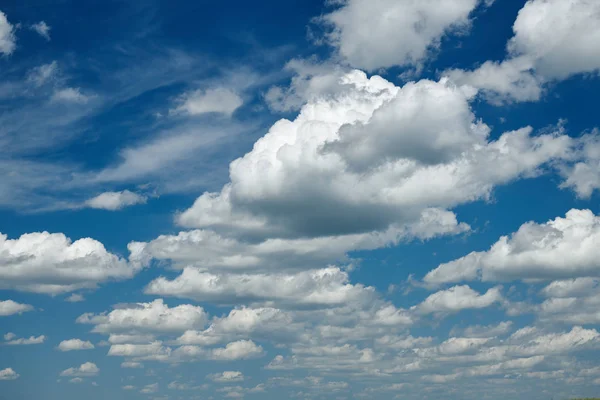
[84,370]
[558,249]
[51,263]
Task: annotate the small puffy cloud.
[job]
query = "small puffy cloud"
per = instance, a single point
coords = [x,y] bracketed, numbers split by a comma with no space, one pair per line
[8,374]
[51,263]
[219,100]
[24,341]
[149,389]
[129,387]
[558,249]
[147,317]
[153,351]
[384,33]
[75,380]
[75,298]
[84,370]
[42,29]
[240,350]
[75,344]
[227,376]
[7,36]
[9,307]
[458,298]
[553,40]
[131,364]
[584,176]
[70,95]
[500,82]
[561,36]
[113,201]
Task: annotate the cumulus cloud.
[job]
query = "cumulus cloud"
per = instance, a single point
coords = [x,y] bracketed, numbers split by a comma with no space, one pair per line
[147,317]
[458,298]
[560,248]
[9,307]
[8,374]
[113,201]
[75,344]
[12,341]
[584,176]
[239,350]
[219,100]
[328,286]
[553,40]
[84,370]
[51,263]
[7,36]
[310,161]
[227,376]
[384,33]
[75,298]
[42,29]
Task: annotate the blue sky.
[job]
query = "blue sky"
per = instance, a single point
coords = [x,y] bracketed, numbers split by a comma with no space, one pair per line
[301,199]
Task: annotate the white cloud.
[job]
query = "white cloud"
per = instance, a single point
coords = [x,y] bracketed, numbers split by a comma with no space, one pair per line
[43,74]
[9,307]
[7,36]
[227,376]
[584,176]
[76,380]
[329,156]
[75,298]
[560,36]
[553,40]
[384,33]
[25,341]
[323,287]
[75,344]
[8,374]
[219,100]
[147,317]
[51,263]
[560,248]
[458,298]
[84,370]
[240,350]
[131,364]
[153,351]
[42,29]
[70,95]
[148,389]
[500,82]
[114,201]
